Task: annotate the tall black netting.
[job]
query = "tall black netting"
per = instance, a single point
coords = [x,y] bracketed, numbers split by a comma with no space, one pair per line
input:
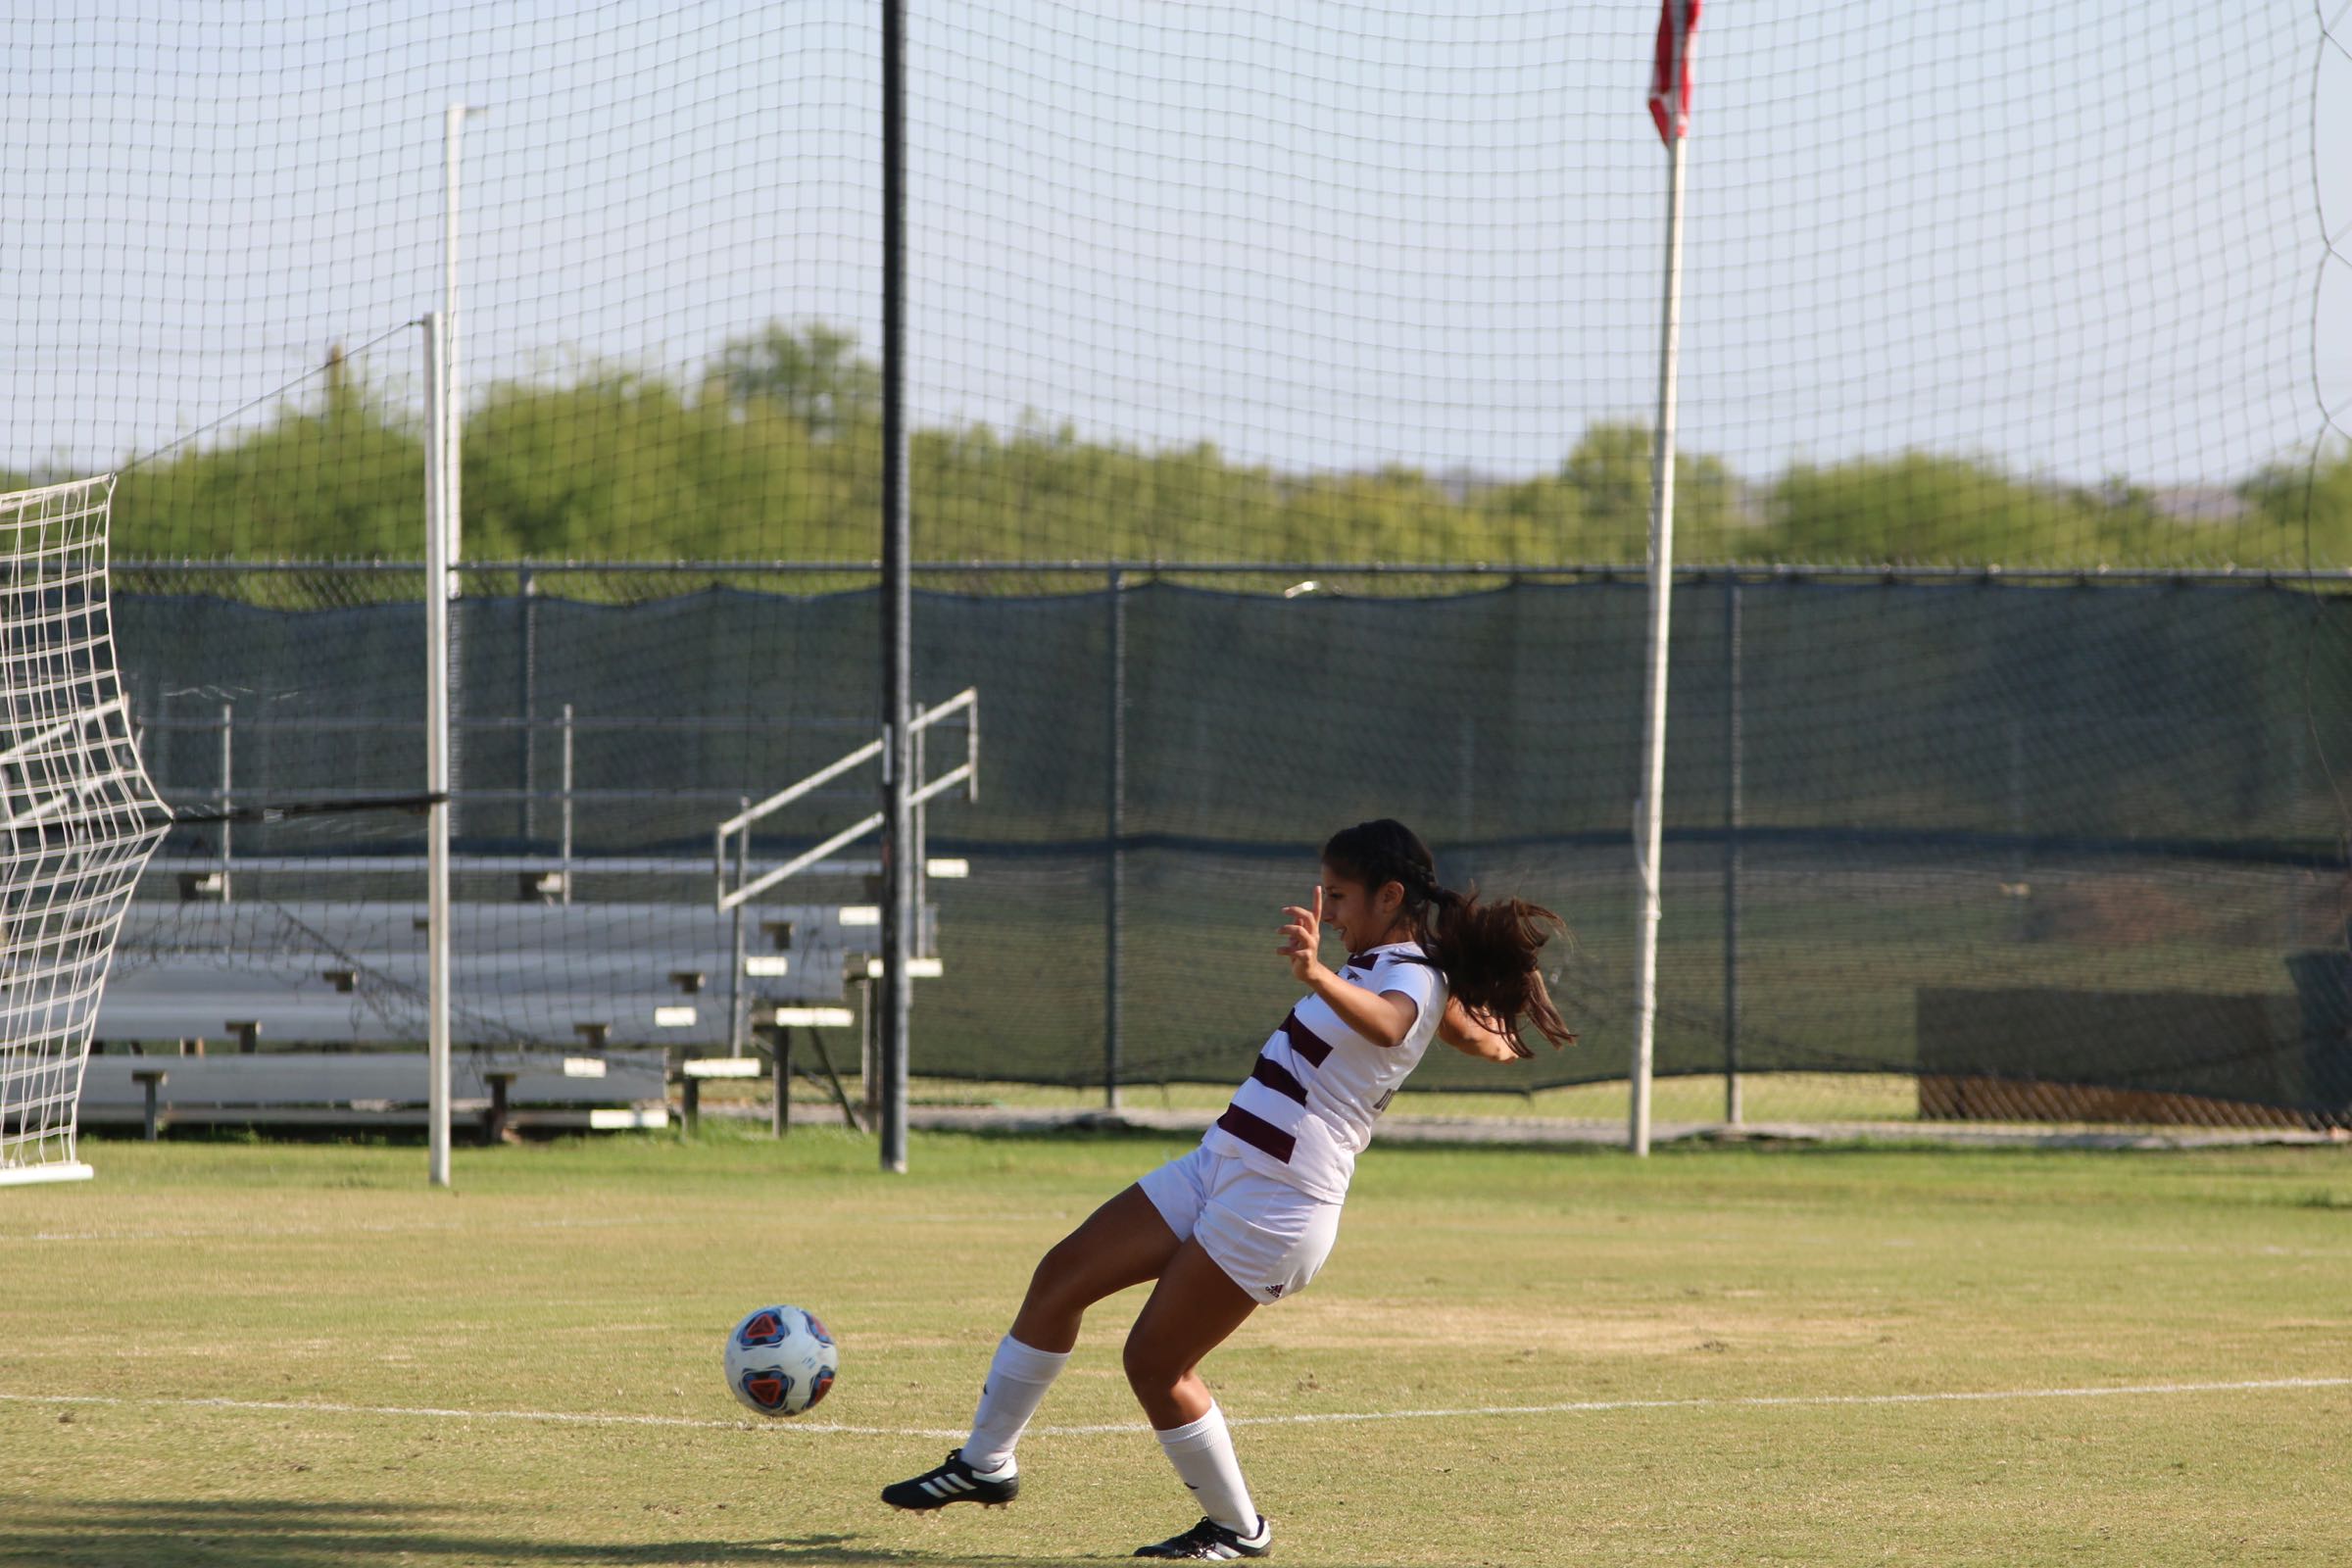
[1285,318]
[2113,798]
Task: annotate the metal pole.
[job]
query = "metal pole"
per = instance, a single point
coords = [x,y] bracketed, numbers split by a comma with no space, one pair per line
[566,845]
[436,766]
[1114,832]
[228,714]
[897,685]
[779,1106]
[2018,866]
[2291,822]
[1650,815]
[526,593]
[919,860]
[869,1078]
[1735,741]
[738,1017]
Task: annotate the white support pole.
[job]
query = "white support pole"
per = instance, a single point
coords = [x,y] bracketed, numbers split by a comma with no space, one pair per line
[436,756]
[453,402]
[1649,816]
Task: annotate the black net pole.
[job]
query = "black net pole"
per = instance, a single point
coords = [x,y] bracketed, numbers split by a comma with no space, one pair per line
[1732,722]
[1114,828]
[897,606]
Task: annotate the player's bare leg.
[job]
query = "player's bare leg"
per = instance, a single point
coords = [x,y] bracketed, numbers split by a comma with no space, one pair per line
[1123,1242]
[1192,1311]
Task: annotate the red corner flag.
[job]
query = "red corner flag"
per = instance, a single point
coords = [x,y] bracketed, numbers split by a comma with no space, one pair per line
[1670,100]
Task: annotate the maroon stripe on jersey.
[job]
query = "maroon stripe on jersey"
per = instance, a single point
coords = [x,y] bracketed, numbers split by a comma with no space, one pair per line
[1368,960]
[1372,959]
[1275,1076]
[1259,1133]
[1303,1041]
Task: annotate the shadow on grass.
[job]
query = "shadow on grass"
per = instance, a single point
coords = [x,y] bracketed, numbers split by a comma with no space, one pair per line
[127,1532]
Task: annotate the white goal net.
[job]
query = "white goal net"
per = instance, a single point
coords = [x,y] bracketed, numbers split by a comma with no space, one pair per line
[81,816]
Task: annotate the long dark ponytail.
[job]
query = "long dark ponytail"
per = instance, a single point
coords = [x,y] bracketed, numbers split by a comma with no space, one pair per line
[1488,951]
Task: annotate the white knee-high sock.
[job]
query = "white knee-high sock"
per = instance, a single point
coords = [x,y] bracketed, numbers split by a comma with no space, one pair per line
[1202,1454]
[1017,1381]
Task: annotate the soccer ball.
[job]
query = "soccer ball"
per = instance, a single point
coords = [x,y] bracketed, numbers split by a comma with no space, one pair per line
[780,1360]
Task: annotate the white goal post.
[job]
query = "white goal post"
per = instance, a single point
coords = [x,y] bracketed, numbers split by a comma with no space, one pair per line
[80,815]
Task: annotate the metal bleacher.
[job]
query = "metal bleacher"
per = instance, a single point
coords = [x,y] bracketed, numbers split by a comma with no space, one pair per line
[308,951]
[347,972]
[533,1091]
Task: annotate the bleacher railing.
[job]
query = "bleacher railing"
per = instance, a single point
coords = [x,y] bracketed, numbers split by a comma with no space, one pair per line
[739,826]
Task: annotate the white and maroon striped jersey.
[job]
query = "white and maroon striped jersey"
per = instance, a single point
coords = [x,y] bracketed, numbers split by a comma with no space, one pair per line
[1310,1102]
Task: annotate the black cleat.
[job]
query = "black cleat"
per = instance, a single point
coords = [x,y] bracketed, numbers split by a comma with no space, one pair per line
[1210,1542]
[953,1481]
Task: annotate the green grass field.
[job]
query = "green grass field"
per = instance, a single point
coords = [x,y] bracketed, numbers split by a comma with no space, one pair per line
[1717,1356]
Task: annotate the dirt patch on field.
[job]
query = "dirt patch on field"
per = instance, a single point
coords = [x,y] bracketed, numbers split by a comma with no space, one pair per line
[1714,1327]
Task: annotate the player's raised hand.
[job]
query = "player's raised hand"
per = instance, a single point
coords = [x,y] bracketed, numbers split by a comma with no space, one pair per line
[1303,935]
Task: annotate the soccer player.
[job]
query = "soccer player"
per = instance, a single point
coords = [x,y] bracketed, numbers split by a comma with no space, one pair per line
[1249,1215]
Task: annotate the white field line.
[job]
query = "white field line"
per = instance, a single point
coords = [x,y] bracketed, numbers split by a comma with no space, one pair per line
[242,1233]
[1568,1407]
[430,1227]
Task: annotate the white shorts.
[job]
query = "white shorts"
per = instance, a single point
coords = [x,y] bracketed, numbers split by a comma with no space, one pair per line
[1267,1235]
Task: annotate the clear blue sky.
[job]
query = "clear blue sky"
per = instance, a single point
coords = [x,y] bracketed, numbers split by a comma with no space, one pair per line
[2084,240]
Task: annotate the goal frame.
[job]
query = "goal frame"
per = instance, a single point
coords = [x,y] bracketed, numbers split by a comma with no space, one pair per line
[80,814]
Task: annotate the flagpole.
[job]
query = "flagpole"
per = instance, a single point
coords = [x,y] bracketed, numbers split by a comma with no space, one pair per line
[1649,816]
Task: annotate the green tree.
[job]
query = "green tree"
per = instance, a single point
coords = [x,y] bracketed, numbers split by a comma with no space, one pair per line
[811,370]
[1541,521]
[1610,471]
[1922,509]
[2304,505]
[340,480]
[625,465]
[777,453]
